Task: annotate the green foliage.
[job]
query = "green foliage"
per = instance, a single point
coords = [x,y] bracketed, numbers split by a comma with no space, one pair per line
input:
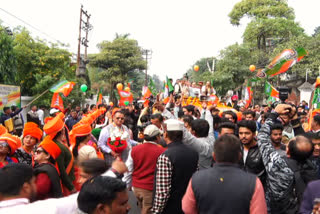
[38,65]
[8,69]
[233,68]
[273,30]
[118,61]
[261,9]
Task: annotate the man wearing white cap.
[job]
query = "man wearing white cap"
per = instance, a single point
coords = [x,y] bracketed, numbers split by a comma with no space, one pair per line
[174,170]
[141,164]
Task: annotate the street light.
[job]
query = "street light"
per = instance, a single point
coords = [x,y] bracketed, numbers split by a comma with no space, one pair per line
[307,71]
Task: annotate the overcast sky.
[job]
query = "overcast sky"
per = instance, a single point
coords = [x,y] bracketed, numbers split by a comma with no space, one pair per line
[179,32]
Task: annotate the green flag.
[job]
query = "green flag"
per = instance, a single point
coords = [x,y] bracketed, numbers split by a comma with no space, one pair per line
[152,87]
[170,86]
[316,98]
[270,91]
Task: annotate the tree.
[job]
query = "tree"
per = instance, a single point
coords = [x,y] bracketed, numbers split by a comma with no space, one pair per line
[116,60]
[271,21]
[38,65]
[8,69]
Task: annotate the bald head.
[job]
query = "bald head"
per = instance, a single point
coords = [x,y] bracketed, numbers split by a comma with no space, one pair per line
[300,148]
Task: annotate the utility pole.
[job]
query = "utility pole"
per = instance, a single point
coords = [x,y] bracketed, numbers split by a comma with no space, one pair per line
[147,54]
[85,26]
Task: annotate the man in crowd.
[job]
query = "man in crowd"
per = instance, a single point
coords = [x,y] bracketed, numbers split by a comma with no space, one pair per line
[224,188]
[103,195]
[276,137]
[315,139]
[200,141]
[315,124]
[251,115]
[188,110]
[286,178]
[157,120]
[251,160]
[226,128]
[18,121]
[17,185]
[6,118]
[72,120]
[32,115]
[141,165]
[41,115]
[174,169]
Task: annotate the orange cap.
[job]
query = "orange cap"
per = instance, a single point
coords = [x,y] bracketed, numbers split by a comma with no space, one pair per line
[52,127]
[32,129]
[13,141]
[51,147]
[79,130]
[3,130]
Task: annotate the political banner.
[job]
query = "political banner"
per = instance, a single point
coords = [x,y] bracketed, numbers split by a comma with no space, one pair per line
[9,95]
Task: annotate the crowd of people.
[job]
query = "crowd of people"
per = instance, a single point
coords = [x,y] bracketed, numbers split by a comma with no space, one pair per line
[176,157]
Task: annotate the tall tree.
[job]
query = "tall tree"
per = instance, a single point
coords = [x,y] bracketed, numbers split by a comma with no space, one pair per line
[8,69]
[272,21]
[116,59]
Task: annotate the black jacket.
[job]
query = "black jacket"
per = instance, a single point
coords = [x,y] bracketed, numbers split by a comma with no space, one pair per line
[254,164]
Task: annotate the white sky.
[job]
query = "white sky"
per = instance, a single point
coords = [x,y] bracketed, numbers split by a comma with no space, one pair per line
[179,32]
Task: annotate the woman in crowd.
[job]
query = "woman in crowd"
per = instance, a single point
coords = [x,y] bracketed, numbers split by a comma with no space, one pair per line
[8,145]
[55,128]
[32,135]
[47,176]
[80,136]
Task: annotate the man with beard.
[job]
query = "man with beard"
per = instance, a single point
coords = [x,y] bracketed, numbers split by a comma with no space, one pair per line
[18,185]
[276,137]
[252,160]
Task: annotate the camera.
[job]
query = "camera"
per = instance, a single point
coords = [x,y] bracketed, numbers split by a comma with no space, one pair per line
[283,93]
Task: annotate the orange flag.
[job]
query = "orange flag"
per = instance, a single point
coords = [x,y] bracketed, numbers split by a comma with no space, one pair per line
[57,102]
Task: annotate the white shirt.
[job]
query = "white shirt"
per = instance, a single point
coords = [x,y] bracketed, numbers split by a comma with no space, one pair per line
[49,206]
[41,116]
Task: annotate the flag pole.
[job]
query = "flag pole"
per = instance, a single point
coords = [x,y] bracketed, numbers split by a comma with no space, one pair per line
[40,95]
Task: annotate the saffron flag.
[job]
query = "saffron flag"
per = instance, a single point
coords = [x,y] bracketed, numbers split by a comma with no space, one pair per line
[248,96]
[64,87]
[57,102]
[166,92]
[270,91]
[146,93]
[125,97]
[99,97]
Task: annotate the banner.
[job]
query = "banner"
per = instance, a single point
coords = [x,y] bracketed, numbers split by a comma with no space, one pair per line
[9,95]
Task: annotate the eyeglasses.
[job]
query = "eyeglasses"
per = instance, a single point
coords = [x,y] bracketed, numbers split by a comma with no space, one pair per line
[4,144]
[120,118]
[39,151]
